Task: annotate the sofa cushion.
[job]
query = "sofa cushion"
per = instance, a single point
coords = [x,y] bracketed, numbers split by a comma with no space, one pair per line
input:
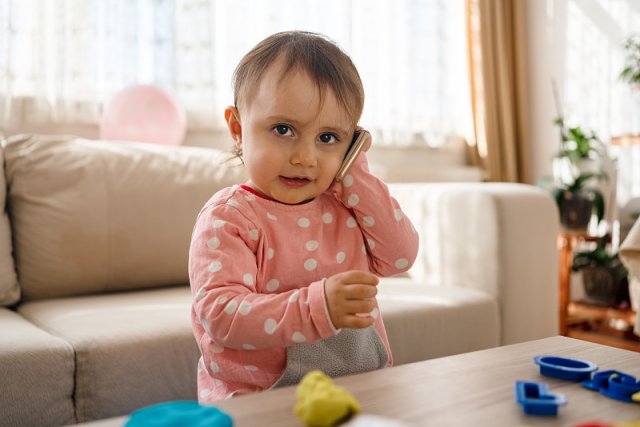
[9,289]
[425,322]
[36,371]
[132,348]
[96,216]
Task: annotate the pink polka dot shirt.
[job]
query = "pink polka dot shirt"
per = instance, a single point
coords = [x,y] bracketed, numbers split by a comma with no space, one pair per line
[257,270]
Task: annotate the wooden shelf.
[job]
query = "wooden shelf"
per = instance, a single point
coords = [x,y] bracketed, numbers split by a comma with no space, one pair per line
[582,310]
[588,322]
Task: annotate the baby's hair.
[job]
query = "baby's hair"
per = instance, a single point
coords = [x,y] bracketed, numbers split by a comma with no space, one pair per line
[315,54]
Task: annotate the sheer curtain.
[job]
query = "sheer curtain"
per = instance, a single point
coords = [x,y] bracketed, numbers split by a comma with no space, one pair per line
[61,61]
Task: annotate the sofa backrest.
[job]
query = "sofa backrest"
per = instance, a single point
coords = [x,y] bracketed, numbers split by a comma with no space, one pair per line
[92,216]
[9,289]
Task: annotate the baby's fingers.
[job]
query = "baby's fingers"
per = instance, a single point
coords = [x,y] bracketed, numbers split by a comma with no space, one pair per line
[357,322]
[361,291]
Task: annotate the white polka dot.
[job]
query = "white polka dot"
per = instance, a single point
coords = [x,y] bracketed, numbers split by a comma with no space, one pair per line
[310,264]
[221,300]
[353,200]
[200,294]
[271,216]
[248,346]
[217,382]
[218,223]
[351,222]
[348,180]
[215,266]
[304,222]
[327,218]
[231,307]
[368,221]
[270,253]
[214,367]
[298,337]
[375,313]
[371,243]
[397,213]
[253,234]
[213,243]
[251,368]
[401,263]
[205,392]
[311,245]
[363,249]
[340,257]
[232,202]
[200,368]
[248,279]
[272,285]
[270,326]
[250,197]
[294,296]
[245,308]
[216,348]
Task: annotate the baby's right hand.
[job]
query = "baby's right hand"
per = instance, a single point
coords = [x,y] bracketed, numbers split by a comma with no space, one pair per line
[350,295]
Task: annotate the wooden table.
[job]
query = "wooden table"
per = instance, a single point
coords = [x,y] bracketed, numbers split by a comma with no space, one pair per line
[472,389]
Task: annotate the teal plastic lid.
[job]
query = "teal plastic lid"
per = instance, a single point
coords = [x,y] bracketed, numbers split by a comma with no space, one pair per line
[179,414]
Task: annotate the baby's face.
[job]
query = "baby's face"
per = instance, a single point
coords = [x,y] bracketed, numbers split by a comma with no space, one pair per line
[292,145]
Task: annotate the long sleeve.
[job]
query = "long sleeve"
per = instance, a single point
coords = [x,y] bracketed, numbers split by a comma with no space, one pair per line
[224,272]
[390,238]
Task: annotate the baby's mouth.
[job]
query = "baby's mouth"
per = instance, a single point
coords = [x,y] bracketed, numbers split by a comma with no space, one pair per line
[294,181]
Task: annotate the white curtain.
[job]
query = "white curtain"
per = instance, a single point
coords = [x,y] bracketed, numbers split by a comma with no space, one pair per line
[61,61]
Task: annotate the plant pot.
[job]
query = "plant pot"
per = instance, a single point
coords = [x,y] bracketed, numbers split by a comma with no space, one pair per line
[602,286]
[575,209]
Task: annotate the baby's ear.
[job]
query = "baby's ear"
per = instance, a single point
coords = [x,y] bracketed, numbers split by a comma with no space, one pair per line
[232,117]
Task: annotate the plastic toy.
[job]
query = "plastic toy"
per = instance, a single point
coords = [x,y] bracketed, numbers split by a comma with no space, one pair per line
[179,413]
[615,384]
[536,399]
[321,403]
[565,368]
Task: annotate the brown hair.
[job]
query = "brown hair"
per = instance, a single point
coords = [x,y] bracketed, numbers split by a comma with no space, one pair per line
[315,54]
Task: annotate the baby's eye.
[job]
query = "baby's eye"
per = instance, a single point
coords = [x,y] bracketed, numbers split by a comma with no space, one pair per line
[328,138]
[282,130]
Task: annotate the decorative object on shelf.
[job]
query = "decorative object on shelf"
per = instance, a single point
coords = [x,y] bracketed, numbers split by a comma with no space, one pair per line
[577,202]
[144,113]
[604,276]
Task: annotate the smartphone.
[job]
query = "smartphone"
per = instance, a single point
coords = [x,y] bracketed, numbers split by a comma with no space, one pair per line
[357,143]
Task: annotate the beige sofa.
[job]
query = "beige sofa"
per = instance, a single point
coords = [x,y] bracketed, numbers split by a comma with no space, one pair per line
[93,273]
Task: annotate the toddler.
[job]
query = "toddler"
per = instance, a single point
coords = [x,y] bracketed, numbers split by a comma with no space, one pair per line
[283,268]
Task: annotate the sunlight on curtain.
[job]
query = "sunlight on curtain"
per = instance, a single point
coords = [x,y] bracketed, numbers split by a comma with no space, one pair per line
[63,60]
[594,97]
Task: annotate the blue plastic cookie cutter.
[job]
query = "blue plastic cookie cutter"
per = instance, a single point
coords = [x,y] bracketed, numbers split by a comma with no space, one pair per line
[179,413]
[565,368]
[536,399]
[615,384]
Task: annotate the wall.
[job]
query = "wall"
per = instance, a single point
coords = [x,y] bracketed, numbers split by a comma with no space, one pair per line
[578,45]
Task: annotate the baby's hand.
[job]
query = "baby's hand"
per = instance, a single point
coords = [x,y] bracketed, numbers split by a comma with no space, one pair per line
[350,298]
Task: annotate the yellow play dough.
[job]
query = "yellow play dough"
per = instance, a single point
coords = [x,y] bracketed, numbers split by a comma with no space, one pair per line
[321,403]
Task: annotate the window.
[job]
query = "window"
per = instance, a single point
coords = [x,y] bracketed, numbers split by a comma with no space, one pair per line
[64,60]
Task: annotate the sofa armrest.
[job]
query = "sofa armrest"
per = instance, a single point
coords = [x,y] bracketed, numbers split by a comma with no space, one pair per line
[496,237]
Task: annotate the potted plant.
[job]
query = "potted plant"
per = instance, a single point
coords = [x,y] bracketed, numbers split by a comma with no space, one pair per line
[580,152]
[603,275]
[631,71]
[577,202]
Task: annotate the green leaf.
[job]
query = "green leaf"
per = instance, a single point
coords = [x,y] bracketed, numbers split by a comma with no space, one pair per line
[598,203]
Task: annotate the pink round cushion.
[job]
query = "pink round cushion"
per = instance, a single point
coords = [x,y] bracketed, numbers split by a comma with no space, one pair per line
[143,113]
